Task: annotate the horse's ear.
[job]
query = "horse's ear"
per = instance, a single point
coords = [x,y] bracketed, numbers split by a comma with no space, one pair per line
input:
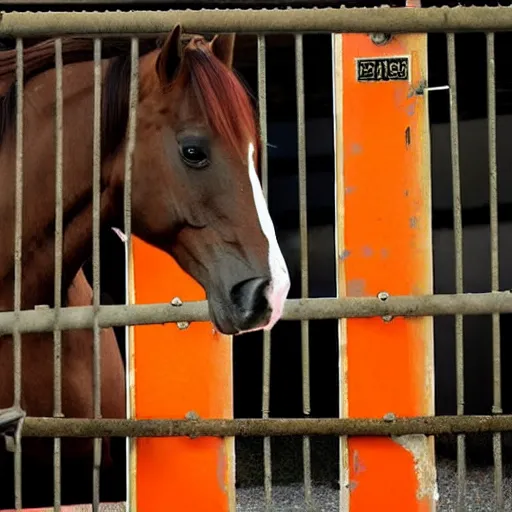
[223,47]
[170,56]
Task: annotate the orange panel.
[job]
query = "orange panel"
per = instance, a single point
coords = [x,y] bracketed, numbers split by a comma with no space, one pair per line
[384,245]
[177,372]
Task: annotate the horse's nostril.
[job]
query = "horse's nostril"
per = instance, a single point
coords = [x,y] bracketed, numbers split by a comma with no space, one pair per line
[250,301]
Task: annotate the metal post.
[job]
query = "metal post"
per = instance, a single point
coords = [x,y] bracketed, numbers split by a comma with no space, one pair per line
[384,249]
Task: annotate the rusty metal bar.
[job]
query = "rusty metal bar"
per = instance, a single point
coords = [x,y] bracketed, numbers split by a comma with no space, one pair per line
[459,284]
[304,261]
[493,205]
[18,234]
[57,334]
[130,144]
[354,20]
[262,108]
[427,425]
[41,319]
[96,221]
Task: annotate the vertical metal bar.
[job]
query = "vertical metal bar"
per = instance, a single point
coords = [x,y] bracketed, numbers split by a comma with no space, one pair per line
[459,288]
[96,188]
[262,103]
[17,259]
[130,146]
[301,138]
[495,282]
[57,333]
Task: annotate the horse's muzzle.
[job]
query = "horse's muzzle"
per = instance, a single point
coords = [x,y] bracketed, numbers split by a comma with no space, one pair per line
[251,309]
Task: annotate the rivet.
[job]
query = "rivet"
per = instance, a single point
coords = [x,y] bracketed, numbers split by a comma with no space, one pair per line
[191,415]
[380,38]
[176,301]
[389,417]
[182,325]
[383,296]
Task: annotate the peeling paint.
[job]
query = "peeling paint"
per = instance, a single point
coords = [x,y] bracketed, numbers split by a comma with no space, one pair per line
[384,253]
[352,485]
[418,446]
[406,193]
[350,190]
[411,109]
[413,222]
[344,254]
[359,466]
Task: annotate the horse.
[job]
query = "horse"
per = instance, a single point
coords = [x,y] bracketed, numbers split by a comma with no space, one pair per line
[195,195]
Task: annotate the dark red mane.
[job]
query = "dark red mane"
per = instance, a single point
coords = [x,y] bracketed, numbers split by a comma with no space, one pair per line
[223,99]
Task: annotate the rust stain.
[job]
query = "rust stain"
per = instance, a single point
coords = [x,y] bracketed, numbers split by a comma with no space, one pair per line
[408,137]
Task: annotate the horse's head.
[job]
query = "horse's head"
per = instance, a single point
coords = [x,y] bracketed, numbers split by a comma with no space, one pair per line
[196,192]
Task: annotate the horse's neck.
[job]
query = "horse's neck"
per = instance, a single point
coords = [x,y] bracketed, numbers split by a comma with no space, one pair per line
[39,186]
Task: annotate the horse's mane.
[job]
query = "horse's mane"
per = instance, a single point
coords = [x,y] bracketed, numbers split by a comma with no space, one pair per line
[223,100]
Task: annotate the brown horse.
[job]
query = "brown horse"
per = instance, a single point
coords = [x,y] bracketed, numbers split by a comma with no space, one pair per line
[195,195]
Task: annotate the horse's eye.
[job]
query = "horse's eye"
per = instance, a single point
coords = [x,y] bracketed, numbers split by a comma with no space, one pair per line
[194,156]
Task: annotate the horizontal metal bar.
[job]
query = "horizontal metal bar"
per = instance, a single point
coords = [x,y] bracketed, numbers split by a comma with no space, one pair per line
[428,425]
[43,319]
[359,20]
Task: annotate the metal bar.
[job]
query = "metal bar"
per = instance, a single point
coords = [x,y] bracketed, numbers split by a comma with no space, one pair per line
[42,320]
[262,108]
[96,221]
[427,425]
[457,233]
[18,234]
[57,334]
[304,275]
[356,20]
[130,348]
[130,145]
[493,205]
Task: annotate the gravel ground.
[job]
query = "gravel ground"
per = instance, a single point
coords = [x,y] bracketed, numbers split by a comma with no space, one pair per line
[479,493]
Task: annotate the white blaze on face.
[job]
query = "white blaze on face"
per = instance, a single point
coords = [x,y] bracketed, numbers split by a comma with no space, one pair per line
[279,276]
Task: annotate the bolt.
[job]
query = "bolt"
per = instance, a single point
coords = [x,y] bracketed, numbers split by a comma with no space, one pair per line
[387,318]
[389,417]
[176,301]
[182,325]
[191,415]
[380,38]
[383,296]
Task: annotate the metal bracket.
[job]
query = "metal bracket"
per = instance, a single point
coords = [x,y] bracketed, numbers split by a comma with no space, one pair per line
[11,425]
